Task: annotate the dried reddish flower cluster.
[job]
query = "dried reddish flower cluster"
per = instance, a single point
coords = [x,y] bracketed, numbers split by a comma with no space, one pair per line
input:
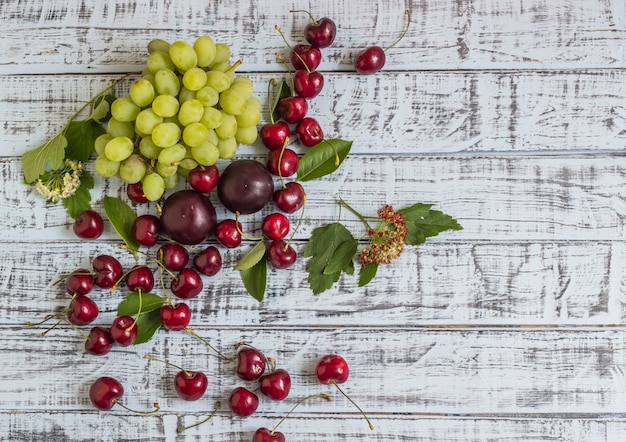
[387,240]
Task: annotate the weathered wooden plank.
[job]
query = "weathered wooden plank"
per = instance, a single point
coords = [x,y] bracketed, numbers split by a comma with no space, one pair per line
[576,283]
[83,36]
[417,113]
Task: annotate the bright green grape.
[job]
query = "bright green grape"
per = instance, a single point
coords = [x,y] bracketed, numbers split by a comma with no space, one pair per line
[172,155]
[183,55]
[159,60]
[218,80]
[100,142]
[158,45]
[166,170]
[185,95]
[167,82]
[222,54]
[188,163]
[153,186]
[190,111]
[165,106]
[195,134]
[147,120]
[166,134]
[213,138]
[194,79]
[208,96]
[148,149]
[227,148]
[206,154]
[205,50]
[123,109]
[171,181]
[150,77]
[233,102]
[246,135]
[119,148]
[105,167]
[251,114]
[183,173]
[226,68]
[243,85]
[211,117]
[228,128]
[133,169]
[117,128]
[142,92]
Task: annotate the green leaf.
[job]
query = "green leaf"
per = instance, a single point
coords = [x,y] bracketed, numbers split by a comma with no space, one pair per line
[255,279]
[101,110]
[323,159]
[349,268]
[283,91]
[122,217]
[147,325]
[253,256]
[49,155]
[81,200]
[367,273]
[81,136]
[422,222]
[136,302]
[342,255]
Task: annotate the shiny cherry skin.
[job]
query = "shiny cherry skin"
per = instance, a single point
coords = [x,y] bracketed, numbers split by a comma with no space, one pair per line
[275,226]
[175,317]
[250,364]
[282,162]
[82,311]
[187,284]
[145,229]
[123,330]
[308,84]
[209,261]
[309,132]
[370,60]
[311,56]
[190,385]
[281,255]
[332,368]
[292,108]
[275,385]
[204,178]
[173,256]
[104,392]
[88,225]
[266,435]
[99,342]
[135,193]
[140,278]
[321,33]
[290,198]
[108,271]
[274,136]
[242,402]
[80,282]
[228,233]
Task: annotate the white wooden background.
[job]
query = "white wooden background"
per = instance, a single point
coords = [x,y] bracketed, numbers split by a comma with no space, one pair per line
[509,115]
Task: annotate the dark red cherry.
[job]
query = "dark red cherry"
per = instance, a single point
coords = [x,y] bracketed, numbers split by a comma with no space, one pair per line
[280,254]
[308,84]
[370,60]
[283,162]
[209,261]
[140,278]
[175,317]
[243,402]
[308,54]
[309,132]
[320,33]
[123,330]
[145,229]
[274,136]
[292,108]
[173,256]
[108,271]
[88,225]
[275,385]
[135,193]
[266,435]
[228,233]
[204,178]
[275,226]
[82,311]
[104,392]
[250,364]
[187,284]
[332,368]
[290,198]
[99,342]
[80,282]
[190,385]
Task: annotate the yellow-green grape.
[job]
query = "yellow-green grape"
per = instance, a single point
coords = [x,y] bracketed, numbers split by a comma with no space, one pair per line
[233,102]
[166,134]
[190,111]
[147,120]
[185,94]
[222,54]
[123,109]
[227,148]
[166,82]
[165,105]
[228,128]
[171,181]
[133,169]
[226,68]
[153,186]
[100,142]
[251,114]
[243,85]
[142,92]
[205,50]
[183,55]
[119,148]
[158,45]
[105,167]
[246,135]
[206,154]
[188,163]
[208,96]
[117,128]
[171,156]
[184,173]
[194,79]
[166,170]
[148,149]
[218,80]
[211,118]
[213,138]
[195,134]
[149,77]
[159,60]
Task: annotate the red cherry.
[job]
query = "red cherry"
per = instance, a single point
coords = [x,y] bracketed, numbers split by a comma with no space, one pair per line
[321,33]
[275,385]
[82,310]
[140,278]
[250,364]
[274,136]
[266,435]
[88,225]
[209,261]
[135,193]
[281,255]
[292,108]
[228,233]
[124,330]
[283,162]
[309,132]
[190,385]
[173,256]
[332,369]
[145,229]
[175,317]
[290,198]
[370,60]
[275,226]
[99,342]
[104,392]
[187,284]
[204,178]
[108,271]
[80,282]
[311,55]
[243,402]
[308,84]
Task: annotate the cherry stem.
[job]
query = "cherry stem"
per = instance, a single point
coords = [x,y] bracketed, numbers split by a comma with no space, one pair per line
[241,232]
[208,344]
[155,404]
[272,83]
[181,429]
[139,308]
[280,159]
[355,404]
[282,60]
[300,219]
[64,277]
[406,29]
[306,12]
[272,363]
[353,210]
[150,358]
[280,31]
[313,396]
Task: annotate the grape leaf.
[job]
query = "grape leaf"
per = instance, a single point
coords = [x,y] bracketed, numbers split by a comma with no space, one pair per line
[131,304]
[255,279]
[367,273]
[283,91]
[323,159]
[147,325]
[422,222]
[50,154]
[122,217]
[81,136]
[253,256]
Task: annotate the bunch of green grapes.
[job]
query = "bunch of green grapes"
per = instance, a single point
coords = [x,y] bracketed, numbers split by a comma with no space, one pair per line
[187,109]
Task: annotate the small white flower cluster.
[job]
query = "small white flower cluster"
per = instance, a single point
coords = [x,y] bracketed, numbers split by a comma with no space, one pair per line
[62,183]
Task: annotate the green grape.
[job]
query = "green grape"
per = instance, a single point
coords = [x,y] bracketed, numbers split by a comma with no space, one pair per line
[211,118]
[119,148]
[183,55]
[105,167]
[148,149]
[208,96]
[167,82]
[194,79]
[171,181]
[185,95]
[218,80]
[117,128]
[159,60]
[166,134]
[133,169]
[213,138]
[228,128]
[153,186]
[222,54]
[100,142]
[246,135]
[205,50]
[142,92]
[190,111]
[195,134]
[166,170]
[251,114]
[158,45]
[123,109]
[172,155]
[188,163]
[243,85]
[233,102]
[183,173]
[227,148]
[165,106]
[147,120]
[206,154]
[226,68]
